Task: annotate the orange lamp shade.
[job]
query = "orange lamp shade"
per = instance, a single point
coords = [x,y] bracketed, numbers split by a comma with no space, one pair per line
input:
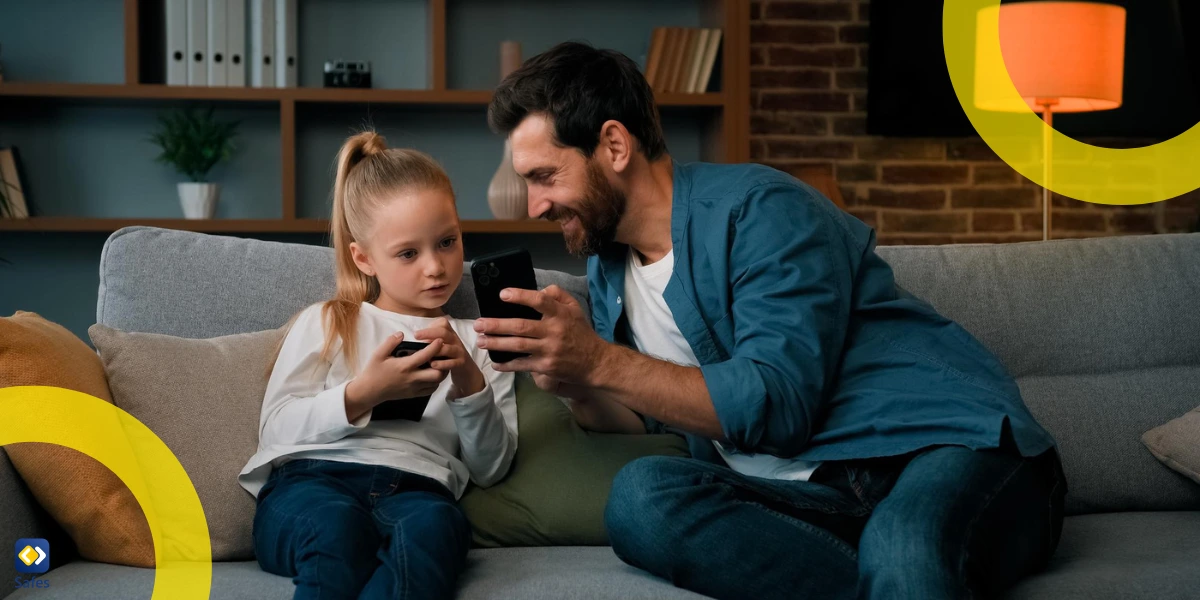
[1067,54]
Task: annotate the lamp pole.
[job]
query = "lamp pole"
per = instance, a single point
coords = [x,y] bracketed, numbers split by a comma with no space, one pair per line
[1047,154]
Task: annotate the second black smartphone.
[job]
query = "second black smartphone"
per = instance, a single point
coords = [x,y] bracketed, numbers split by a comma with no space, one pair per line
[495,272]
[409,409]
[407,348]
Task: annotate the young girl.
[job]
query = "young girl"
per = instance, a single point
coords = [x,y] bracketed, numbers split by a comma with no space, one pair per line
[355,507]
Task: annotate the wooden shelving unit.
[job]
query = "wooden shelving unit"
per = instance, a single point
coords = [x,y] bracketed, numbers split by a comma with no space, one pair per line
[726,135]
[109,225]
[478,98]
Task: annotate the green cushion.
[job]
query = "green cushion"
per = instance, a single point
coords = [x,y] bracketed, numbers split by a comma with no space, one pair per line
[555,493]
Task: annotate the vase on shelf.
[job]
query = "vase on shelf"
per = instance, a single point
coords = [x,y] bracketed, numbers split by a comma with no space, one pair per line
[199,200]
[507,195]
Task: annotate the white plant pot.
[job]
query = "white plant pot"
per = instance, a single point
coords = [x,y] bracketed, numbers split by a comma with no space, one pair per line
[199,200]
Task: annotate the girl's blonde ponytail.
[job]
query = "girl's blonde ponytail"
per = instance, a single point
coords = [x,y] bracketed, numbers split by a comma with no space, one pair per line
[353,286]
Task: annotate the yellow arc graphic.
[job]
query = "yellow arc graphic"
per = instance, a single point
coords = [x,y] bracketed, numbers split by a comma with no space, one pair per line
[1082,171]
[140,459]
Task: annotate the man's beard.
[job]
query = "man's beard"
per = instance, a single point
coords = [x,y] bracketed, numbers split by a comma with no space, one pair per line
[600,211]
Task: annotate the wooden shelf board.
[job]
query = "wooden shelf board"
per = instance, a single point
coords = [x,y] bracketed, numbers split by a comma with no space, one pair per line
[102,91]
[372,96]
[108,225]
[251,94]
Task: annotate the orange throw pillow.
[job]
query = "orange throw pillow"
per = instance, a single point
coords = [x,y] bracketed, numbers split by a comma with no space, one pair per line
[88,500]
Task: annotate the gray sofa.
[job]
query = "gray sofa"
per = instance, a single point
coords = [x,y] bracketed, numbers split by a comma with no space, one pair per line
[1103,336]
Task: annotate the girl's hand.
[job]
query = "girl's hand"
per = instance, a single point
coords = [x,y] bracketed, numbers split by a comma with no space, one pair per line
[386,377]
[453,358]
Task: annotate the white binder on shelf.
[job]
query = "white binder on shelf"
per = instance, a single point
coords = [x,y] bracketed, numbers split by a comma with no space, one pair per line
[176,27]
[262,43]
[218,52]
[285,43]
[235,38]
[197,42]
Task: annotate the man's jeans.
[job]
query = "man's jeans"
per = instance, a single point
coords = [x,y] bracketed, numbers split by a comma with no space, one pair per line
[947,522]
[344,530]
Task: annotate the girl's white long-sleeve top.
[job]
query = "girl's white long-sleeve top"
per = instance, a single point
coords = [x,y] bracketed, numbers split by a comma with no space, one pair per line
[304,411]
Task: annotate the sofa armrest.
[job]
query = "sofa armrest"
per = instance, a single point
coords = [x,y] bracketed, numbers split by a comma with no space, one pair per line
[22,517]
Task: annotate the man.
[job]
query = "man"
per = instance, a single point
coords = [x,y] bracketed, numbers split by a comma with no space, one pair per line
[846,437]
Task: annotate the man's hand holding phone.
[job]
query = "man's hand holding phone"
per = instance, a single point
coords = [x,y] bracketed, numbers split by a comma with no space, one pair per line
[562,347]
[386,377]
[548,334]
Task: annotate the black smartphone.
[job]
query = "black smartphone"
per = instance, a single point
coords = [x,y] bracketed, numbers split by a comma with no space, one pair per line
[409,409]
[494,272]
[407,348]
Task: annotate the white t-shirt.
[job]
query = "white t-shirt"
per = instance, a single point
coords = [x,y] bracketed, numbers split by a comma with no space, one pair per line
[304,411]
[656,334]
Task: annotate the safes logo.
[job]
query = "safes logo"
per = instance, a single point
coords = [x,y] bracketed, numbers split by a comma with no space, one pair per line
[32,555]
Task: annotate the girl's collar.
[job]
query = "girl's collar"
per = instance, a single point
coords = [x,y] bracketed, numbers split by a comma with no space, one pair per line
[386,312]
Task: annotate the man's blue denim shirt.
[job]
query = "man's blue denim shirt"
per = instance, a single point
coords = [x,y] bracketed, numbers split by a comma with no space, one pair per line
[806,344]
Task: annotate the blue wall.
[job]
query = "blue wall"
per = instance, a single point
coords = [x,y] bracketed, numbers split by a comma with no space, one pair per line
[391,34]
[475,29]
[40,45]
[54,275]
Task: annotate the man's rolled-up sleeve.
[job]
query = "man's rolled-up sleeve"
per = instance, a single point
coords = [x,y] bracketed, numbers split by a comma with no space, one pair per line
[791,266]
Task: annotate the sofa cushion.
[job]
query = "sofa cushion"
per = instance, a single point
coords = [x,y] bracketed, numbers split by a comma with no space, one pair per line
[565,573]
[90,502]
[202,398]
[1101,337]
[557,488]
[1127,556]
[95,581]
[1121,556]
[1099,423]
[197,285]
[1177,444]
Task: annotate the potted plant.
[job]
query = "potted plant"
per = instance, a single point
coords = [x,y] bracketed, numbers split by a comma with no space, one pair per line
[194,142]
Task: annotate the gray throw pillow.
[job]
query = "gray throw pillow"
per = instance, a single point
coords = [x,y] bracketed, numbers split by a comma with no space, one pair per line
[1177,444]
[202,398]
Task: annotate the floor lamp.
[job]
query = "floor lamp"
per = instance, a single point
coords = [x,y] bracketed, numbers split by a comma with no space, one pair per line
[1063,57]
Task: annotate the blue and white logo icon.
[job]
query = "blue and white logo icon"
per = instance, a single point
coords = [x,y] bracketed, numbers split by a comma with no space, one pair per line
[32,555]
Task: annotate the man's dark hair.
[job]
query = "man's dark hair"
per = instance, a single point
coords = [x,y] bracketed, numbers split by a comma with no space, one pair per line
[579,88]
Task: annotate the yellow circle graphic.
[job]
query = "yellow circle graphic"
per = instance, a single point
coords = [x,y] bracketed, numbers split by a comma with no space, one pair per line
[140,459]
[1090,173]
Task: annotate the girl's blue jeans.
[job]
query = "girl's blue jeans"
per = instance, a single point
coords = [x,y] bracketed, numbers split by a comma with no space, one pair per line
[345,530]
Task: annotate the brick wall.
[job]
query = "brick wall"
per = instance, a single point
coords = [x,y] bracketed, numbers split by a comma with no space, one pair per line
[809,61]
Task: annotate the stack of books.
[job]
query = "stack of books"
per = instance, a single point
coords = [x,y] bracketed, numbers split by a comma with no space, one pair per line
[12,205]
[681,59]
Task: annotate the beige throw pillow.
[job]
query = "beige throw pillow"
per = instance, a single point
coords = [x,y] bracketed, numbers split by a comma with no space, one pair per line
[202,398]
[1177,444]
